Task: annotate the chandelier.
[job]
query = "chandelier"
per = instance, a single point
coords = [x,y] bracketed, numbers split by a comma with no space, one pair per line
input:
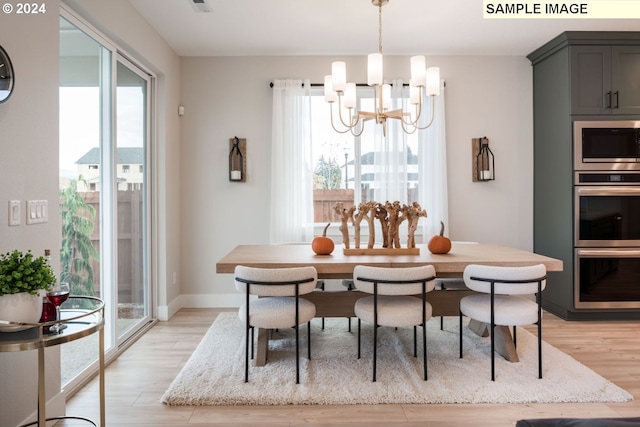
[423,81]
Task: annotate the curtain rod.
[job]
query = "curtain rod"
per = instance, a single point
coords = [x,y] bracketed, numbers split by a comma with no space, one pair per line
[357,84]
[322,84]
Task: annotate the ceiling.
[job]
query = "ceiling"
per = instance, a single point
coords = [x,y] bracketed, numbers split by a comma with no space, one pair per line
[350,27]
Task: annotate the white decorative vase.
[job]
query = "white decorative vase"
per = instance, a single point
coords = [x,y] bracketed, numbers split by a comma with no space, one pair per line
[22,307]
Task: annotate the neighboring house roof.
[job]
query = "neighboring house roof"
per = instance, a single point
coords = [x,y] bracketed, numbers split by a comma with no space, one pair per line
[411,176]
[96,180]
[126,155]
[368,158]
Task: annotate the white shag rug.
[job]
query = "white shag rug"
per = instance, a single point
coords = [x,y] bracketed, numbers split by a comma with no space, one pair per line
[214,375]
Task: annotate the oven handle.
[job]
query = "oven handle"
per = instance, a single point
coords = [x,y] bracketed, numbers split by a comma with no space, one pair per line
[608,191]
[605,253]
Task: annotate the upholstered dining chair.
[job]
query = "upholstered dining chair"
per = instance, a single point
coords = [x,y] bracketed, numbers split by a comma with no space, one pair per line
[392,303]
[504,300]
[279,304]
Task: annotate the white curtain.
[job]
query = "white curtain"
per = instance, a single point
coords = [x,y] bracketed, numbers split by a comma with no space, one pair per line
[433,169]
[392,164]
[390,156]
[291,163]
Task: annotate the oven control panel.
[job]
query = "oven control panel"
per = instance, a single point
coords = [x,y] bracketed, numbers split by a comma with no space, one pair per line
[607,178]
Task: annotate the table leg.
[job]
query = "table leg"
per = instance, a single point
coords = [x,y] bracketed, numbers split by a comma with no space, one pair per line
[504,340]
[263,346]
[102,402]
[42,398]
[481,329]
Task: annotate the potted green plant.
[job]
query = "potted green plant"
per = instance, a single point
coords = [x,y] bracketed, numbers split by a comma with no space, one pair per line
[23,280]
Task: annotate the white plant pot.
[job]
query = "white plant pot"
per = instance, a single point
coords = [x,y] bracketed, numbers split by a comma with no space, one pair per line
[22,307]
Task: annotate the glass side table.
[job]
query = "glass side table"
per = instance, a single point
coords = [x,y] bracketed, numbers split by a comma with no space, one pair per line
[83,316]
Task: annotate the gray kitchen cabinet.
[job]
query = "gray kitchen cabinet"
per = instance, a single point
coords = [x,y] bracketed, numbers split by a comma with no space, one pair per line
[605,79]
[572,76]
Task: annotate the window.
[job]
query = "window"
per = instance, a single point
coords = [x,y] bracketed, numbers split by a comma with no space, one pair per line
[125,168]
[352,170]
[314,167]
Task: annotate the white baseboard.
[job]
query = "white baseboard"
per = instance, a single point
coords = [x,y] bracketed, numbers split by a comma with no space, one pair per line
[165,312]
[199,301]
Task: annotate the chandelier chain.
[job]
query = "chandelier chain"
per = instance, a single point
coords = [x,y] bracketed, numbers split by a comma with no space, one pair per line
[380,28]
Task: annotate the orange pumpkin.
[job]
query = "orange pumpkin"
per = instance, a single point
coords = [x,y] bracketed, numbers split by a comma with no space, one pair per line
[439,244]
[323,245]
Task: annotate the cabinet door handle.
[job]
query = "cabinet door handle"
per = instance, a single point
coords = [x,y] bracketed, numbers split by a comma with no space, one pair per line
[608,100]
[617,99]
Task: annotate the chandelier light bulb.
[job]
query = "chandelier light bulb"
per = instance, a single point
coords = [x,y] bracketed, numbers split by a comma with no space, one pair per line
[374,69]
[418,70]
[433,81]
[386,96]
[350,96]
[414,94]
[339,76]
[329,93]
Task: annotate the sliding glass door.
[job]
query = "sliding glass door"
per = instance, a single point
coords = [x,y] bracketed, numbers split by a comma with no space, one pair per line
[132,112]
[104,169]
[84,126]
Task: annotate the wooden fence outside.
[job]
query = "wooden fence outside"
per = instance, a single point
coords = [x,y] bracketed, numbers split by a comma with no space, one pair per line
[324,202]
[130,235]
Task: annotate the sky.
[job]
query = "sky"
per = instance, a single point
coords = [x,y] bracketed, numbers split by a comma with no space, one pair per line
[80,122]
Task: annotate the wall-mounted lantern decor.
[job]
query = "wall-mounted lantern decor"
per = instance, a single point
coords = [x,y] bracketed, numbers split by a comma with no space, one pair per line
[237,159]
[483,168]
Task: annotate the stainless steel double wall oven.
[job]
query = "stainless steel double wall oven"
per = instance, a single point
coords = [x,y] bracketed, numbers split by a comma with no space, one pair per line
[607,214]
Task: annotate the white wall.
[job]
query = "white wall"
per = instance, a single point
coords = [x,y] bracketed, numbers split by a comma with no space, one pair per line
[230,96]
[29,170]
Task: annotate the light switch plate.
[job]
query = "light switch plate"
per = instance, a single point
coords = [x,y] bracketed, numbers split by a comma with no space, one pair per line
[37,211]
[14,212]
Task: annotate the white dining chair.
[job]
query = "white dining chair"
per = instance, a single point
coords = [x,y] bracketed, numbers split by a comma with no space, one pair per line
[279,304]
[504,300]
[392,303]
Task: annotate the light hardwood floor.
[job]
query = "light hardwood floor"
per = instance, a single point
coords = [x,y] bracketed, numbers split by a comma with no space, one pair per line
[136,381]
